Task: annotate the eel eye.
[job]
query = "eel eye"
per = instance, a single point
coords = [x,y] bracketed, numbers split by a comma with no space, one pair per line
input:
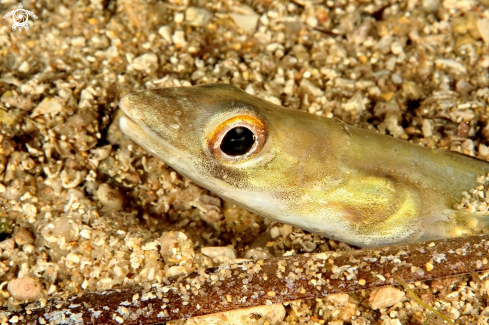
[237,139]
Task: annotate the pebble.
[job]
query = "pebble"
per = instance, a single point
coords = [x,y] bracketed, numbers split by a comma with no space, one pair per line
[60,227]
[197,16]
[110,198]
[178,38]
[396,48]
[176,248]
[338,299]
[48,106]
[483,26]
[396,79]
[24,67]
[24,289]
[178,18]
[312,21]
[453,65]
[247,22]
[356,103]
[427,128]
[430,6]
[147,63]
[227,252]
[23,236]
[256,254]
[166,33]
[385,297]
[7,244]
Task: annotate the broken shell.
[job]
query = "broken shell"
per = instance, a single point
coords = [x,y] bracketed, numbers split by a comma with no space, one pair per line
[71,179]
[48,106]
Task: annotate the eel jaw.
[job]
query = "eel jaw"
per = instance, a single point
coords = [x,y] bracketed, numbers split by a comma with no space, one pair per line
[158,148]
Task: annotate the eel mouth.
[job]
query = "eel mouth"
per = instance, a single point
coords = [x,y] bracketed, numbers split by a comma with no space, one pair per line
[132,107]
[141,127]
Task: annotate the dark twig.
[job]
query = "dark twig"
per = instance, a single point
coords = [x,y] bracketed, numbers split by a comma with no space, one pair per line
[265,282]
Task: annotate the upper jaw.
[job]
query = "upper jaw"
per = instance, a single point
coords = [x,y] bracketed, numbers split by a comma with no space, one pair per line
[130,105]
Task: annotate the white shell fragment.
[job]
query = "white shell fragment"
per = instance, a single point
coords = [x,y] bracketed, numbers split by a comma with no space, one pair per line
[48,106]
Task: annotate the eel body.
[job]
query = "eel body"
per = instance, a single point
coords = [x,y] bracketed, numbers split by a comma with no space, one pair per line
[312,172]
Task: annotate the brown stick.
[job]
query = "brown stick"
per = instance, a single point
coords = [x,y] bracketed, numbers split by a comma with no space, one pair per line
[271,281]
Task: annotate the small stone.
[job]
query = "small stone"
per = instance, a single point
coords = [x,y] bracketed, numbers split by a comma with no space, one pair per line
[178,38]
[5,118]
[411,90]
[48,106]
[385,297]
[430,6]
[247,22]
[24,289]
[396,48]
[311,88]
[147,63]
[256,254]
[275,232]
[24,67]
[165,32]
[16,101]
[483,150]
[110,198]
[78,41]
[312,21]
[219,252]
[100,153]
[176,270]
[483,27]
[178,17]
[197,16]
[7,244]
[484,61]
[176,247]
[338,299]
[396,79]
[427,128]
[463,86]
[356,103]
[60,227]
[23,236]
[452,65]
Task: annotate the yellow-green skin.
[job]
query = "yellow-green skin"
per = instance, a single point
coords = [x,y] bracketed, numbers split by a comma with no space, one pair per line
[316,173]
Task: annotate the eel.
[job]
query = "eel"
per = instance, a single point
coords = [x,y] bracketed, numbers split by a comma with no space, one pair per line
[312,172]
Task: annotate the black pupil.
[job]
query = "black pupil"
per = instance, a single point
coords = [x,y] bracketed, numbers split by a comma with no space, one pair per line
[237,141]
